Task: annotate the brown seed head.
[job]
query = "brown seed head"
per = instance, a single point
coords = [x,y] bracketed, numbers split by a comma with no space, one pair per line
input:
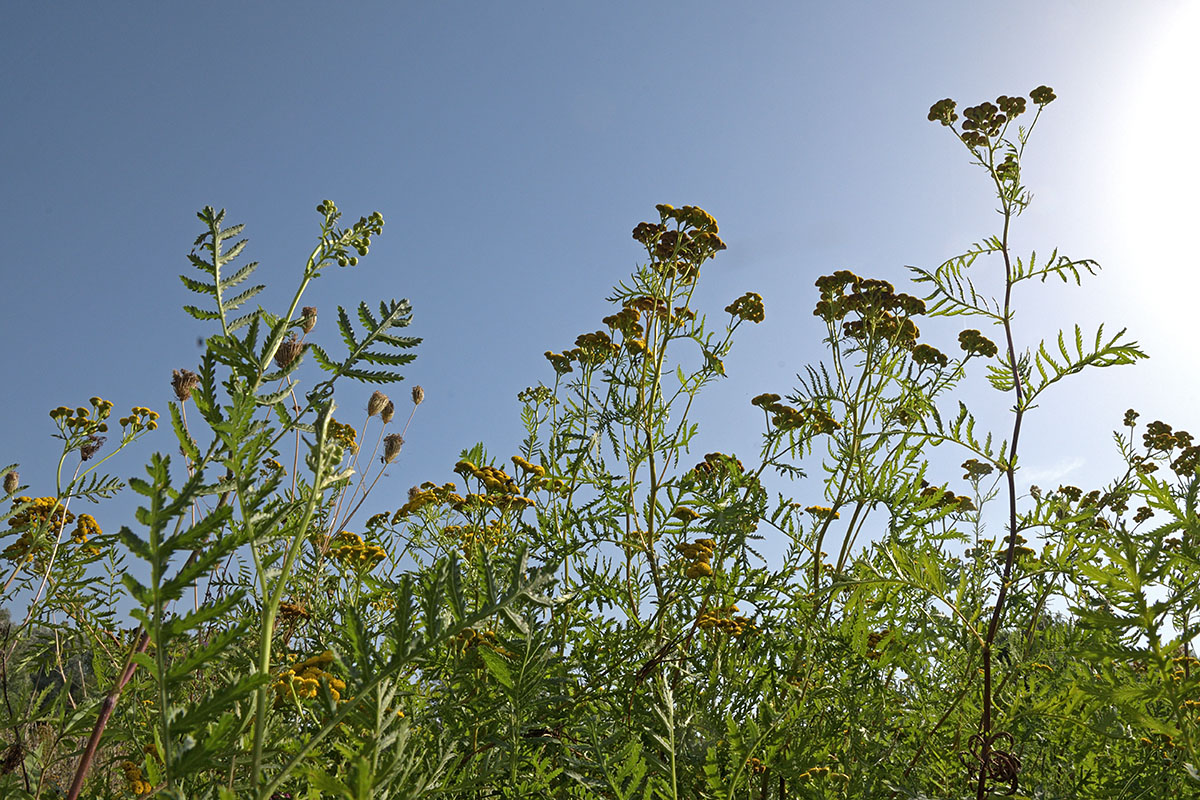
[12,479]
[377,403]
[91,446]
[388,412]
[391,447]
[183,381]
[418,395]
[308,318]
[289,350]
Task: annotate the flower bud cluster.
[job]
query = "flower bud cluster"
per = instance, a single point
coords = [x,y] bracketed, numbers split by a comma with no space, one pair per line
[975,343]
[786,418]
[748,307]
[302,681]
[699,553]
[349,550]
[138,785]
[723,620]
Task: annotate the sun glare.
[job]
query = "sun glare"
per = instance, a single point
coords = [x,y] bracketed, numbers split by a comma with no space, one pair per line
[1158,176]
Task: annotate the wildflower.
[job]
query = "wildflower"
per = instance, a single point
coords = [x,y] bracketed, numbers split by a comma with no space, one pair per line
[685,514]
[138,785]
[308,318]
[748,307]
[1131,418]
[943,111]
[391,447]
[975,343]
[821,512]
[183,381]
[418,395]
[12,480]
[376,403]
[924,354]
[975,469]
[1042,95]
[343,434]
[560,361]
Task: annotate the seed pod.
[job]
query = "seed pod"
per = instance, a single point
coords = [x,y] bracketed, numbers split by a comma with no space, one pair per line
[391,447]
[388,412]
[12,479]
[183,381]
[377,403]
[418,395]
[289,350]
[308,318]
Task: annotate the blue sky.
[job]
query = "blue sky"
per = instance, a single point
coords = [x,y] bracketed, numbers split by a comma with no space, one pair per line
[512,147]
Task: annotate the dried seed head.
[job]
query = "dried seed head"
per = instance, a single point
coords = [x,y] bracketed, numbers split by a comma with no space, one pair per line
[91,446]
[308,318]
[12,479]
[377,403]
[183,381]
[289,350]
[418,395]
[391,447]
[388,412]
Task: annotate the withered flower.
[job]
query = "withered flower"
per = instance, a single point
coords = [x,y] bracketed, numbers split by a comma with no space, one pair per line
[12,479]
[391,447]
[388,412]
[183,381]
[418,395]
[289,350]
[308,318]
[377,403]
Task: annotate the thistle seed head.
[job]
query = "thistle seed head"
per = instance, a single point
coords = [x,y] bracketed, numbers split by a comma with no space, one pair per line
[391,447]
[183,381]
[289,350]
[377,403]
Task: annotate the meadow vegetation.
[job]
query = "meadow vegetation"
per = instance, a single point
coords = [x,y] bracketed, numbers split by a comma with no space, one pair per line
[594,616]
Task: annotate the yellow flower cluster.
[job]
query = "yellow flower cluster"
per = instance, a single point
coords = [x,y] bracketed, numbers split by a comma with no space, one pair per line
[755,766]
[699,553]
[270,465]
[42,510]
[685,514]
[528,468]
[873,640]
[786,418]
[715,465]
[343,434]
[748,307]
[1185,669]
[468,537]
[821,512]
[354,554]
[140,418]
[470,639]
[724,620]
[292,611]
[947,499]
[138,785]
[302,681]
[824,773]
[80,419]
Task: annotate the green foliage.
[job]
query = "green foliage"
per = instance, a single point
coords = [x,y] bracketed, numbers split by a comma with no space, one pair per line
[606,614]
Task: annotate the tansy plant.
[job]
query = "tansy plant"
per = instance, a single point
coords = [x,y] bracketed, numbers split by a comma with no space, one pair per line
[608,612]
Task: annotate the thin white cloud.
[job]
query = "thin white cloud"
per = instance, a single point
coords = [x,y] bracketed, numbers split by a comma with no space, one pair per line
[1051,473]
